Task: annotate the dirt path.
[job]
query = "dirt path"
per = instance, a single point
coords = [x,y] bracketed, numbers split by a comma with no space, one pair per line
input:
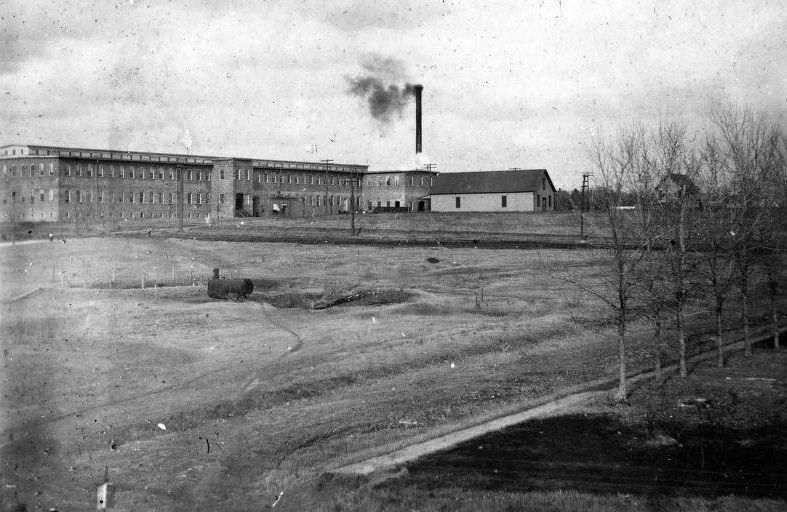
[551,405]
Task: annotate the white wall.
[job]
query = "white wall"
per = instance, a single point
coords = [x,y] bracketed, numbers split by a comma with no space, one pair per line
[518,202]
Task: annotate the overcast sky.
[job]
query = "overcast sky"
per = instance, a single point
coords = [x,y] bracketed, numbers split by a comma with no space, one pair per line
[506,83]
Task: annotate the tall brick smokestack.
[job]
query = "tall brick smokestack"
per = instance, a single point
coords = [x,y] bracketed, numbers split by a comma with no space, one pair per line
[417,90]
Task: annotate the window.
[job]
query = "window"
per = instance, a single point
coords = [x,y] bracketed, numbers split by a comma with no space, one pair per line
[161,173]
[13,171]
[188,198]
[422,181]
[79,196]
[41,169]
[188,175]
[66,194]
[131,173]
[266,177]
[51,194]
[388,204]
[458,202]
[396,181]
[274,179]
[89,170]
[543,183]
[100,196]
[221,198]
[161,197]
[289,178]
[221,174]
[120,197]
[318,200]
[198,197]
[122,171]
[248,175]
[412,181]
[237,174]
[100,171]
[549,203]
[503,201]
[152,173]
[296,179]
[32,169]
[51,169]
[312,180]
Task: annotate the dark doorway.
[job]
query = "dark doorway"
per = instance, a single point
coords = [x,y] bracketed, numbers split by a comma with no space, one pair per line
[238,202]
[396,204]
[255,206]
[420,206]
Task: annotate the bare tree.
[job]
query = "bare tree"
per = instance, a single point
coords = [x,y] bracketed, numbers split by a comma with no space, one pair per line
[715,226]
[617,165]
[746,150]
[677,165]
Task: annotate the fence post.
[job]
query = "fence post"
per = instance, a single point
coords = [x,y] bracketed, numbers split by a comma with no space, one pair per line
[143,280]
[112,283]
[173,273]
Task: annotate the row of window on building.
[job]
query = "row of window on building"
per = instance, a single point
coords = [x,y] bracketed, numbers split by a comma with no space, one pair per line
[134,172]
[29,170]
[151,197]
[394,181]
[291,179]
[134,215]
[42,196]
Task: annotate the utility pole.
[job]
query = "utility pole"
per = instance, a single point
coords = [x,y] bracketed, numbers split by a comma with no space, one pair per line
[327,161]
[585,186]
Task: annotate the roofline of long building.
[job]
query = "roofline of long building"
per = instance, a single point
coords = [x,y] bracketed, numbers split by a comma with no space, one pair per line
[179,158]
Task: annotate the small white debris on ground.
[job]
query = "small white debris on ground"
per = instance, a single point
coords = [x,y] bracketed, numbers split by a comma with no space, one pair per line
[162,426]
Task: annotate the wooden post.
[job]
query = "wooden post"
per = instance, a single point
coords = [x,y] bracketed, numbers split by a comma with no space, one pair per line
[143,281]
[173,274]
[112,283]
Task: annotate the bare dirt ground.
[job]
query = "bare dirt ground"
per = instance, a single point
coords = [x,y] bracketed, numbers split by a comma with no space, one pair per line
[190,403]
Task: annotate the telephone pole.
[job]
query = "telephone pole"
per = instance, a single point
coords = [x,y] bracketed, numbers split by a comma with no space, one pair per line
[582,203]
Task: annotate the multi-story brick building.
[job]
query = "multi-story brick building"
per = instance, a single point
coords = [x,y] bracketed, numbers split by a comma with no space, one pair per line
[398,190]
[51,184]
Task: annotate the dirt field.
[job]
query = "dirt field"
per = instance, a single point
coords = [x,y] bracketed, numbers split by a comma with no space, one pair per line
[190,403]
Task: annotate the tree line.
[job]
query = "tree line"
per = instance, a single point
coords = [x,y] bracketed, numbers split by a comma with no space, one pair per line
[692,218]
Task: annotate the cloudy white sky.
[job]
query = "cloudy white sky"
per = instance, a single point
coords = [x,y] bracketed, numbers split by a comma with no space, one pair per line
[506,83]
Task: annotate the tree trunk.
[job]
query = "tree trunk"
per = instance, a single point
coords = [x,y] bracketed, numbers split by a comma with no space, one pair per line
[745,314]
[657,335]
[719,333]
[622,392]
[681,341]
[772,289]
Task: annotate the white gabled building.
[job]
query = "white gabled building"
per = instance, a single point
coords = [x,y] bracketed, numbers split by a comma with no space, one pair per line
[519,190]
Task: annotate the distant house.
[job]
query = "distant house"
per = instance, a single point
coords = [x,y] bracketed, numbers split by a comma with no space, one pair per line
[518,190]
[672,187]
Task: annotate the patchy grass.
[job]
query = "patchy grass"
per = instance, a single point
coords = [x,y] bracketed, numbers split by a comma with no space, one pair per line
[277,393]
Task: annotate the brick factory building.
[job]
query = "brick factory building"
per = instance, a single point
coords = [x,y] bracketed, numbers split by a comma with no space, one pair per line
[398,190]
[57,184]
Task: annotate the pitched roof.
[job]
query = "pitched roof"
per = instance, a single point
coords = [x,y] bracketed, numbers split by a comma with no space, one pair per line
[680,180]
[485,182]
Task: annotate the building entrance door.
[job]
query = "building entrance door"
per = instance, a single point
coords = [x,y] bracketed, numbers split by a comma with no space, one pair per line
[255,206]
[238,203]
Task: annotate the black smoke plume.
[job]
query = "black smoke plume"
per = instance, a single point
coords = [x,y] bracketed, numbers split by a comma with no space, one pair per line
[385,99]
